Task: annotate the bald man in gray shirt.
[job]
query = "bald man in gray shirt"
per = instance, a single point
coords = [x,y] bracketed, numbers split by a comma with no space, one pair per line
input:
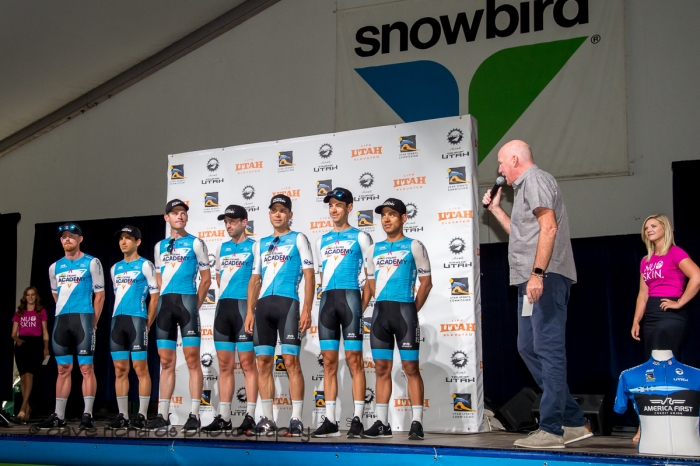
[542,267]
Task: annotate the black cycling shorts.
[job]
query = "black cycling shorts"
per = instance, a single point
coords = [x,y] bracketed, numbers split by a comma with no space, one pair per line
[340,311]
[173,310]
[229,332]
[276,315]
[74,332]
[129,334]
[392,319]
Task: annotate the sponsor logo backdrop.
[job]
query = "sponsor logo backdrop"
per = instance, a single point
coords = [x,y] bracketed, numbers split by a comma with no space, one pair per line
[431,166]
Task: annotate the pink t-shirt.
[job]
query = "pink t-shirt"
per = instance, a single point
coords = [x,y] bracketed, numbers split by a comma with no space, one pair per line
[30,323]
[662,274]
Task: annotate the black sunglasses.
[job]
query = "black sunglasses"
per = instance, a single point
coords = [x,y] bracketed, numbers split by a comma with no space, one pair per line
[171,243]
[273,245]
[70,228]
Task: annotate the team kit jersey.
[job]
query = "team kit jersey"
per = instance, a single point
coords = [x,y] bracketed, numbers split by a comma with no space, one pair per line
[666,396]
[341,257]
[394,267]
[178,262]
[74,282]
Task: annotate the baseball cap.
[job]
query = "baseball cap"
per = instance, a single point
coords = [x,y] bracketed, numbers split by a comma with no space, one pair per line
[392,203]
[282,200]
[234,211]
[129,230]
[341,194]
[70,227]
[174,203]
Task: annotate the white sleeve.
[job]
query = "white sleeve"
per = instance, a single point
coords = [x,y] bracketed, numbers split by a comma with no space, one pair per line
[98,276]
[149,271]
[156,256]
[52,278]
[111,274]
[420,255]
[319,255]
[305,254]
[202,254]
[217,265]
[365,241]
[369,262]
[257,262]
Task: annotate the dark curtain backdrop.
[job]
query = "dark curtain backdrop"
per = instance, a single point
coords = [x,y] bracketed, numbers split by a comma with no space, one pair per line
[8,300]
[98,241]
[598,341]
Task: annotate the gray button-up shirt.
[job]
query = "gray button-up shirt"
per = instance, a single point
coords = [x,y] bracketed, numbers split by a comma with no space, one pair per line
[537,188]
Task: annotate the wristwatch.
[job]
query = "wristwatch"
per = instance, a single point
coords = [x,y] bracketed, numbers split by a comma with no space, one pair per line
[538,272]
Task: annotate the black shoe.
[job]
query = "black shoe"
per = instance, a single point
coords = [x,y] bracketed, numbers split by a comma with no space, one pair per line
[378,430]
[296,428]
[263,427]
[416,432]
[51,422]
[86,422]
[193,424]
[139,422]
[218,424]
[327,429]
[158,423]
[356,427]
[247,424]
[119,423]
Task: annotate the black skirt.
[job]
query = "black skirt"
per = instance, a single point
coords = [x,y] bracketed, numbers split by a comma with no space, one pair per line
[29,355]
[664,330]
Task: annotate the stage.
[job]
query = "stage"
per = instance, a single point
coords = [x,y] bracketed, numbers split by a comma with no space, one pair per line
[20,445]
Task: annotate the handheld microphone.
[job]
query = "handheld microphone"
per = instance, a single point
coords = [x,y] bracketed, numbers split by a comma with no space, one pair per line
[500,181]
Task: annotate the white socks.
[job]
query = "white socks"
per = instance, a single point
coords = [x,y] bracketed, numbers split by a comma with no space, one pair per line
[250,409]
[330,411]
[164,408]
[266,406]
[143,405]
[61,407]
[383,413]
[417,413]
[89,400]
[296,408]
[195,406]
[123,404]
[359,408]
[225,410]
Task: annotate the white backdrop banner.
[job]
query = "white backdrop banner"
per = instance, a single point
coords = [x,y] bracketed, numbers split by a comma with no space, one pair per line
[551,73]
[431,166]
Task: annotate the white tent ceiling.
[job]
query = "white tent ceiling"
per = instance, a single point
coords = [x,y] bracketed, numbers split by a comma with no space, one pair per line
[52,52]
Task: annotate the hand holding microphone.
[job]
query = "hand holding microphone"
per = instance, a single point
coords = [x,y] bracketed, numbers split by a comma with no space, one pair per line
[489,196]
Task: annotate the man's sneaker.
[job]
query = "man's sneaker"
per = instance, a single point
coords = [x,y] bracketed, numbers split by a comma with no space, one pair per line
[119,423]
[574,434]
[86,422]
[356,427]
[192,424]
[158,423]
[247,424]
[217,425]
[540,439]
[416,432]
[51,422]
[263,427]
[327,429]
[378,430]
[139,422]
[296,428]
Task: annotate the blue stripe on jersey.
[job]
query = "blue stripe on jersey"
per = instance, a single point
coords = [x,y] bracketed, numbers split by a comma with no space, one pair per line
[235,267]
[394,271]
[130,288]
[179,268]
[341,259]
[74,285]
[281,266]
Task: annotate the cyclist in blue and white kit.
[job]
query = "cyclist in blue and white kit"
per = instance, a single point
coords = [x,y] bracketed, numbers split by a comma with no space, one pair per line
[78,287]
[234,265]
[341,255]
[392,268]
[178,260]
[134,279]
[280,262]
